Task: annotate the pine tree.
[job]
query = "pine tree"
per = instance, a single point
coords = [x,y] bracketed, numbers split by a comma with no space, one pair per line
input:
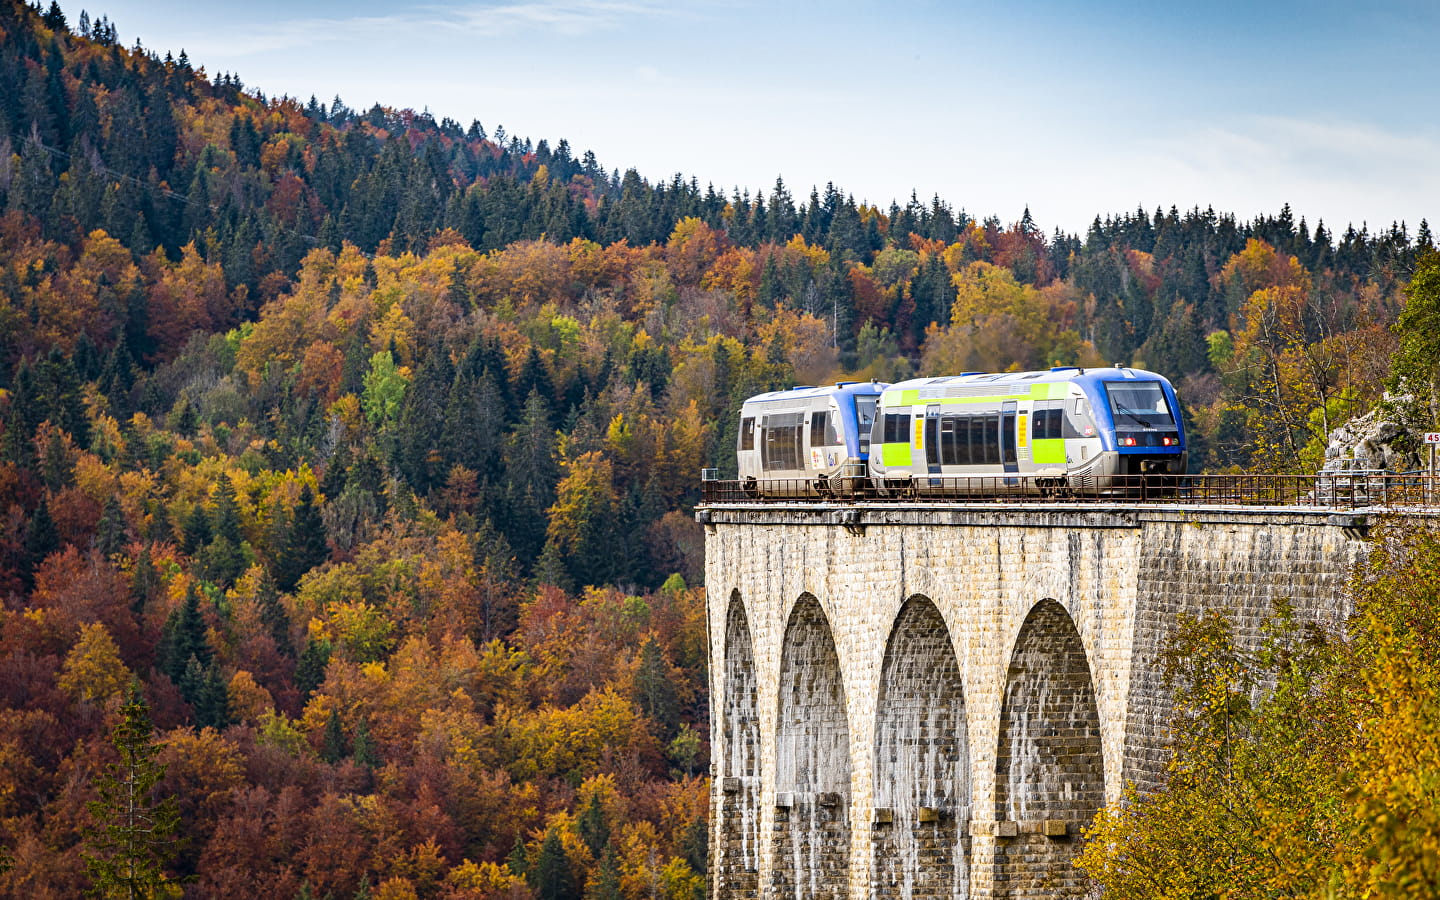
[54,17]
[196,531]
[310,671]
[42,538]
[332,748]
[274,616]
[594,830]
[226,518]
[607,880]
[363,748]
[224,558]
[144,580]
[553,878]
[655,691]
[550,568]
[518,860]
[182,638]
[204,689]
[111,532]
[305,545]
[134,832]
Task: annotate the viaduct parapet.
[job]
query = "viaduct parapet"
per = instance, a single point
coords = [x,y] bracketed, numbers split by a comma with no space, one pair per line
[923,702]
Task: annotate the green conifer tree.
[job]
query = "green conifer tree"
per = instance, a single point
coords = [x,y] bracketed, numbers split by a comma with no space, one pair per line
[305,545]
[112,531]
[274,615]
[332,748]
[183,637]
[144,580]
[363,748]
[607,879]
[594,830]
[554,879]
[42,538]
[518,861]
[226,518]
[196,531]
[655,691]
[310,671]
[134,832]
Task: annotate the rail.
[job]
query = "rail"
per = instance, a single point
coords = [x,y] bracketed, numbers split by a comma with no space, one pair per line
[1327,490]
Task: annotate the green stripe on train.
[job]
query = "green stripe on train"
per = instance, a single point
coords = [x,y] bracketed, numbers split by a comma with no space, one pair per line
[1057,390]
[1047,452]
[895,454]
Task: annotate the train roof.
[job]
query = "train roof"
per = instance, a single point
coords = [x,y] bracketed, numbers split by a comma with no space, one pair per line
[1078,374]
[805,392]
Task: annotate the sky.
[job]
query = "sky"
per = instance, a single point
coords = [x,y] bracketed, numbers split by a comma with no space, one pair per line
[1074,110]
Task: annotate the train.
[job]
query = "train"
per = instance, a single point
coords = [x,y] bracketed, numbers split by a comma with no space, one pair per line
[807,440]
[1067,429]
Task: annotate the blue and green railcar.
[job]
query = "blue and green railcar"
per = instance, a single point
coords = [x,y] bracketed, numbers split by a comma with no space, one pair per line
[1064,429]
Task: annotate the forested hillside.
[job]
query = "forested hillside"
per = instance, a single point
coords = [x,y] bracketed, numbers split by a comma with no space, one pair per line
[367,446]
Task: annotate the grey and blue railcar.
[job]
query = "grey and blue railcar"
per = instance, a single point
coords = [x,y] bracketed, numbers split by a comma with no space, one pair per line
[807,441]
[1066,429]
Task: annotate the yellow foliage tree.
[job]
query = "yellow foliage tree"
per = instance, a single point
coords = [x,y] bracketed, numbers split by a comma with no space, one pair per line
[998,324]
[93,671]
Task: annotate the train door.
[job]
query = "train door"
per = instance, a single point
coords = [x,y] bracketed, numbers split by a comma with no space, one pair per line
[932,441]
[1007,436]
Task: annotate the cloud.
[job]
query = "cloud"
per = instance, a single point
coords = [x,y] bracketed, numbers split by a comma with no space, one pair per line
[570,18]
[1345,171]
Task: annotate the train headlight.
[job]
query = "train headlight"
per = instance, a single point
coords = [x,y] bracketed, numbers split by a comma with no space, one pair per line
[1167,441]
[1127,442]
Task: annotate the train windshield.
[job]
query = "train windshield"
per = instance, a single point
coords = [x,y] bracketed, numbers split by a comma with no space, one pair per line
[864,416]
[1139,404]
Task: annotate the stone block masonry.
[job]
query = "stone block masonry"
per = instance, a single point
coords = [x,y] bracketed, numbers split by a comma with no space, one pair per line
[933,702]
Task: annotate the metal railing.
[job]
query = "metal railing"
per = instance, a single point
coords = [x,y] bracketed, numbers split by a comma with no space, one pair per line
[1326,490]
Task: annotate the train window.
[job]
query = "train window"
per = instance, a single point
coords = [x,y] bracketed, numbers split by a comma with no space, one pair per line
[975,446]
[1047,424]
[897,428]
[822,430]
[747,433]
[864,414]
[949,427]
[1138,404]
[781,441]
[992,440]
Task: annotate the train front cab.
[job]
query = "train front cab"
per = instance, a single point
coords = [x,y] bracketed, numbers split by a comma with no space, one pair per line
[1142,429]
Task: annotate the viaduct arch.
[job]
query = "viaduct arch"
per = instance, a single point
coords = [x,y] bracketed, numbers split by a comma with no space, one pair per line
[933,702]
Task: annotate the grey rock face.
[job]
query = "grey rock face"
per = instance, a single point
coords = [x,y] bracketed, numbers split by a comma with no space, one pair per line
[1375,442]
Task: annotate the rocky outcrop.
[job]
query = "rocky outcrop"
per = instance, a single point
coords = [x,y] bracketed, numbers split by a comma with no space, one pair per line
[1375,441]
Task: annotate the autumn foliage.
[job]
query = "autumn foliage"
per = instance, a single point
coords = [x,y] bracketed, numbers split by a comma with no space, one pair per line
[367,446]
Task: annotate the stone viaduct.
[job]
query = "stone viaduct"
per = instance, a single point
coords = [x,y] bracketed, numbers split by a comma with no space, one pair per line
[918,701]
